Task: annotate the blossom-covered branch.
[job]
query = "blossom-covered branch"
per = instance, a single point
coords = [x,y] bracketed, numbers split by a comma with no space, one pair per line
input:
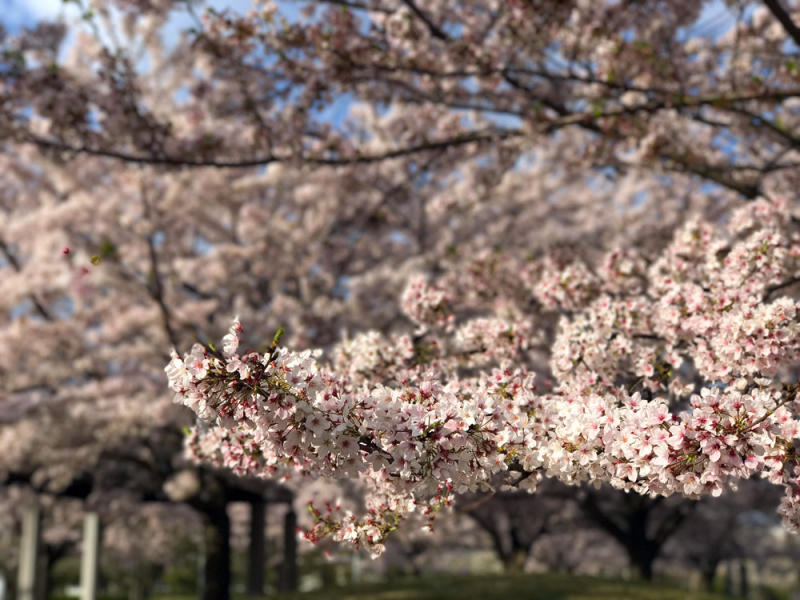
[416,429]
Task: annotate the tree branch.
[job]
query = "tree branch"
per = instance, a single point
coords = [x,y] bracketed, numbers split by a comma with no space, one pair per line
[788,25]
[467,138]
[358,6]
[435,31]
[592,510]
[12,260]
[673,521]
[779,286]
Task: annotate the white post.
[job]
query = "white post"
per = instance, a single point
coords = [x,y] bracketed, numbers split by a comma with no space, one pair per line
[355,568]
[27,585]
[90,556]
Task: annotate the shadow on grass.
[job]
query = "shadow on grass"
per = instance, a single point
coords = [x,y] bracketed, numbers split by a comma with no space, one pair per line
[533,587]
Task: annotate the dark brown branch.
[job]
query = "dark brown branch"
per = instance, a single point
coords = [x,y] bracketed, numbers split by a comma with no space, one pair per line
[591,508]
[504,72]
[435,31]
[780,286]
[673,521]
[751,191]
[764,122]
[12,260]
[358,6]
[476,504]
[461,140]
[678,102]
[157,293]
[788,25]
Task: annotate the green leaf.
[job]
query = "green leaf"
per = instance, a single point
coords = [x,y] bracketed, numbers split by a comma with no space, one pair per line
[277,337]
[108,249]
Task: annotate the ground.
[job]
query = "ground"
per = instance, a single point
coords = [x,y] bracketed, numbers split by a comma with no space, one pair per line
[497,587]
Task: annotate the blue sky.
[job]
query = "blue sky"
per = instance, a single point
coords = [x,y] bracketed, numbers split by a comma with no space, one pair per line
[16,13]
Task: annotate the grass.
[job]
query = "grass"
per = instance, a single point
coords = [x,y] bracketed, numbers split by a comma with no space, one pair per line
[497,587]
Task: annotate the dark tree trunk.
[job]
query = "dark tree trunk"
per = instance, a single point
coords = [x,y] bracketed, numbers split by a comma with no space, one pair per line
[642,550]
[288,575]
[514,562]
[142,580]
[730,591]
[709,574]
[642,554]
[510,548]
[629,525]
[217,563]
[257,555]
[744,586]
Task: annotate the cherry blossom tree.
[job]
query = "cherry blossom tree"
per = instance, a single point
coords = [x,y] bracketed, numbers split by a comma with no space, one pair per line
[728,528]
[523,524]
[435,430]
[515,521]
[599,193]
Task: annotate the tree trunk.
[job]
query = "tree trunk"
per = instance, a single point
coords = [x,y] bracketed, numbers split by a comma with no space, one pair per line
[730,590]
[642,554]
[142,580]
[257,555]
[709,574]
[508,546]
[288,575]
[629,525]
[217,563]
[744,586]
[514,562]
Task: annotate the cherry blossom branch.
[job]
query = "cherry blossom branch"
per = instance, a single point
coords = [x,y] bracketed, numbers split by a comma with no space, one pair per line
[789,398]
[590,427]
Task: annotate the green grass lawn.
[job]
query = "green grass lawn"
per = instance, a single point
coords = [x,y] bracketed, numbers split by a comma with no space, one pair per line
[496,587]
[538,587]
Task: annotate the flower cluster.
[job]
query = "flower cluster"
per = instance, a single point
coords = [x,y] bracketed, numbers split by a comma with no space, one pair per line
[426,305]
[280,411]
[494,339]
[633,342]
[643,446]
